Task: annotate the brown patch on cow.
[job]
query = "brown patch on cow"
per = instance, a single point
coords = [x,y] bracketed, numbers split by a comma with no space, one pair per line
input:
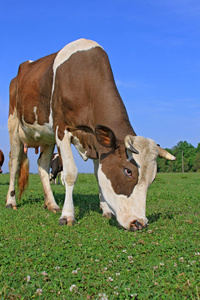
[85,94]
[23,174]
[114,166]
[12,96]
[34,85]
[12,193]
[1,159]
[25,148]
[36,150]
[88,142]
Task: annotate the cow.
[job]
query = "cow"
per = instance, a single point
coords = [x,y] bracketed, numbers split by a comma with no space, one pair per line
[70,97]
[1,160]
[56,169]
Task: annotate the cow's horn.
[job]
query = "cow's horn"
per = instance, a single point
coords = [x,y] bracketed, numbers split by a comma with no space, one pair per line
[128,141]
[163,153]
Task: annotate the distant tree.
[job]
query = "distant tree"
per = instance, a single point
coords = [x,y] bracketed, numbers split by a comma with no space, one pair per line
[198,147]
[196,164]
[191,159]
[188,152]
[164,165]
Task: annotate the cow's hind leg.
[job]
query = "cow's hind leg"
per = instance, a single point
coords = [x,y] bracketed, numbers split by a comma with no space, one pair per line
[43,169]
[70,175]
[17,155]
[103,204]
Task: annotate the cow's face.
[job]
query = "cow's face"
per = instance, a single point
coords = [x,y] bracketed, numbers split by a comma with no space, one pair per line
[125,174]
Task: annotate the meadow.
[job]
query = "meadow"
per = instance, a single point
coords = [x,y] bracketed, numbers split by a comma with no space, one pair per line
[96,258]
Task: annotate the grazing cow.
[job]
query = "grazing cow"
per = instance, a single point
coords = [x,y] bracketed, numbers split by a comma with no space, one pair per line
[71,97]
[1,160]
[56,169]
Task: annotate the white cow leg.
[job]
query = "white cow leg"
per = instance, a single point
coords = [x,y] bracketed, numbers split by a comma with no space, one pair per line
[43,169]
[14,163]
[16,153]
[103,204]
[70,175]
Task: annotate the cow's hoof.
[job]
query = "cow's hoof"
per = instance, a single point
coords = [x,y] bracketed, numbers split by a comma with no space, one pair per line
[107,215]
[52,209]
[11,206]
[71,222]
[55,210]
[62,222]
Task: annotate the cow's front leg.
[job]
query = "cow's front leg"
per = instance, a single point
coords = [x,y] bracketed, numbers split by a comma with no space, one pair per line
[43,169]
[69,175]
[103,204]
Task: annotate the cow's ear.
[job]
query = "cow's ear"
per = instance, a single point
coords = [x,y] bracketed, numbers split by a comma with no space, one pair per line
[105,136]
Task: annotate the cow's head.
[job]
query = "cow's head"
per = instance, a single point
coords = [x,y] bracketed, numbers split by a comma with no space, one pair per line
[126,170]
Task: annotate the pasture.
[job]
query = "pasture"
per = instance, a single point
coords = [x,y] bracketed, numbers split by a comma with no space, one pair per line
[96,259]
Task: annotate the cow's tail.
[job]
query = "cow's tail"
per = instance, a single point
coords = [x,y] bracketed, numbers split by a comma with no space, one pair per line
[23,174]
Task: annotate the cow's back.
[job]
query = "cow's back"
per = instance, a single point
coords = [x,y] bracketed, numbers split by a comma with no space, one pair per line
[34,86]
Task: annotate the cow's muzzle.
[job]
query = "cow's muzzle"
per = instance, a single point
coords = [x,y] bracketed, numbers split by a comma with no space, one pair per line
[137,225]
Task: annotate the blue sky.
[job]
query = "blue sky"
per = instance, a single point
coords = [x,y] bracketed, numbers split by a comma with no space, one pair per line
[153,47]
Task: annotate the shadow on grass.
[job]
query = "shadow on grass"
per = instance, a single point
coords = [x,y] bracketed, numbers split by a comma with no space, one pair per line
[154,217]
[29,200]
[4,183]
[84,203]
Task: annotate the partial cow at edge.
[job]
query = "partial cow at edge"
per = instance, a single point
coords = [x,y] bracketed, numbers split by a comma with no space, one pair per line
[56,170]
[71,97]
[1,160]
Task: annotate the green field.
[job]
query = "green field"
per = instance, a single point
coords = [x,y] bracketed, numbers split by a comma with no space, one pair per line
[97,259]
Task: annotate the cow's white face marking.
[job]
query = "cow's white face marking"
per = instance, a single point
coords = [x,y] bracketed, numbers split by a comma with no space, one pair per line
[63,55]
[128,209]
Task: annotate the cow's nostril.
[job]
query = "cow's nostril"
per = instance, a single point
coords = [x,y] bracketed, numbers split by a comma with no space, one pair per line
[136,225]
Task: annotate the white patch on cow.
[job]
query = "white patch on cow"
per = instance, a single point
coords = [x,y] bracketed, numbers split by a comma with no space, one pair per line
[63,55]
[128,209]
[30,61]
[103,204]
[35,134]
[58,178]
[35,113]
[71,48]
[55,156]
[70,173]
[80,148]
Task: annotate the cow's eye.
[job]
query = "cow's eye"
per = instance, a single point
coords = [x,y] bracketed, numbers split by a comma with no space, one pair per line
[128,172]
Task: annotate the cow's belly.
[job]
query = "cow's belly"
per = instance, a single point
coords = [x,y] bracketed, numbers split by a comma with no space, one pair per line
[36,135]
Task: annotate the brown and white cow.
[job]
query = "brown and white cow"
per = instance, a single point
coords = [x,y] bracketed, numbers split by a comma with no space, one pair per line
[71,97]
[1,160]
[56,172]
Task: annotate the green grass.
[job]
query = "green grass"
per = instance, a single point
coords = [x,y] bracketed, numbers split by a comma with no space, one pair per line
[96,259]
